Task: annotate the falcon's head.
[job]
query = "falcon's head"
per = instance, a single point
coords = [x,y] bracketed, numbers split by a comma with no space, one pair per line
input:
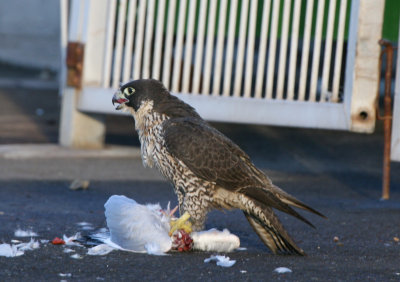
[151,95]
[134,94]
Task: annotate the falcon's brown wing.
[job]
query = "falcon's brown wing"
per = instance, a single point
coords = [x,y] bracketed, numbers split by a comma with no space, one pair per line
[209,154]
[215,158]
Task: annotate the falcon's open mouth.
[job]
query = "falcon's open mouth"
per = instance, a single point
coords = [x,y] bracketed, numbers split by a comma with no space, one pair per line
[119,100]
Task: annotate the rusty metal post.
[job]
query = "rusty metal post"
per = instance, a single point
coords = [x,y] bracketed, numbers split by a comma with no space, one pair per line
[75,53]
[387,116]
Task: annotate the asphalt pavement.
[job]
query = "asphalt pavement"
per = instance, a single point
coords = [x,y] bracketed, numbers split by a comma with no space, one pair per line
[335,172]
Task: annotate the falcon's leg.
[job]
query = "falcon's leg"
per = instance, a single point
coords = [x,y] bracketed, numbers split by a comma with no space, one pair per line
[197,209]
[197,214]
[196,202]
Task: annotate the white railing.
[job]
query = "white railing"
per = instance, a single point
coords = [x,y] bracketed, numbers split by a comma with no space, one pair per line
[194,47]
[277,62]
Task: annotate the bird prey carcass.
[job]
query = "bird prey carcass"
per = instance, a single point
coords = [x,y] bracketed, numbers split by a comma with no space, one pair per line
[208,171]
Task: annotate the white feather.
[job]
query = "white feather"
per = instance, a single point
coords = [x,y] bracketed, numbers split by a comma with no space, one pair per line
[11,250]
[221,261]
[214,240]
[134,227]
[100,250]
[282,270]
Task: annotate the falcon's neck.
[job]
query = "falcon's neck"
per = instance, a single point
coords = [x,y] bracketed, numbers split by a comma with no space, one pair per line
[146,119]
[147,125]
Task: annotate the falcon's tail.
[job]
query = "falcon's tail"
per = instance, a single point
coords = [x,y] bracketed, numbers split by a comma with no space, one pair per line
[270,230]
[257,205]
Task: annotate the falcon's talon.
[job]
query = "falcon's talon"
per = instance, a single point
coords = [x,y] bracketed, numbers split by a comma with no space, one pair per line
[181,223]
[171,213]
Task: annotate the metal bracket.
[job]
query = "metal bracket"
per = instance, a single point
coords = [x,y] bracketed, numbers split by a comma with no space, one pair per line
[75,52]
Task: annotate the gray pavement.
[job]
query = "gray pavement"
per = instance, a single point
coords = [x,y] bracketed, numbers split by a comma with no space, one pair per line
[338,173]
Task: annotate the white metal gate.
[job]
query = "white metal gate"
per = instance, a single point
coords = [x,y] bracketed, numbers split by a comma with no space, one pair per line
[245,61]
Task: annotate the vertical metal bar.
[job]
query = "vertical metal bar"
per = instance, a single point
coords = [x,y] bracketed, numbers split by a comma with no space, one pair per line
[119,42]
[241,48]
[306,50]
[328,50]
[220,47]
[293,49]
[316,51]
[283,50]
[130,31]
[339,51]
[188,62]
[199,47]
[158,40]
[387,119]
[148,39]
[230,48]
[109,43]
[176,71]
[212,10]
[395,139]
[63,44]
[168,43]
[84,21]
[74,23]
[272,50]
[250,49]
[262,50]
[137,64]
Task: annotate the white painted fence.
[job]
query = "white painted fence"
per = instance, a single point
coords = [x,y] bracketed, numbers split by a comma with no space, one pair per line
[279,75]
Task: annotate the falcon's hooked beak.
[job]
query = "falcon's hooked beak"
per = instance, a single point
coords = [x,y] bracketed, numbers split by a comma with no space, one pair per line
[120,99]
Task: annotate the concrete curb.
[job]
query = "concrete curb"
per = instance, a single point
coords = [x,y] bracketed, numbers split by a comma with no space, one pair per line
[48,151]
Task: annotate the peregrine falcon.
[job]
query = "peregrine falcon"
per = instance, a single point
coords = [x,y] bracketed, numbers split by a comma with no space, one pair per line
[207,170]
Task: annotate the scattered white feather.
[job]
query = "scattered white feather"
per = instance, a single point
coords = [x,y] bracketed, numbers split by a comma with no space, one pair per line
[132,226]
[65,274]
[70,241]
[15,241]
[243,271]
[7,250]
[76,256]
[214,240]
[282,270]
[100,250]
[24,233]
[44,241]
[105,238]
[31,245]
[68,250]
[221,261]
[83,223]
[11,250]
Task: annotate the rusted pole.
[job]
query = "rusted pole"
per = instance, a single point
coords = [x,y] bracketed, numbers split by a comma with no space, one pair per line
[387,117]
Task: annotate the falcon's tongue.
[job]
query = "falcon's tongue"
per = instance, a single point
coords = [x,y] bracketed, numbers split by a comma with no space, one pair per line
[121,100]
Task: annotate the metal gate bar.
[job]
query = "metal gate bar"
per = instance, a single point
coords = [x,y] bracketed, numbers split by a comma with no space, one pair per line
[202,48]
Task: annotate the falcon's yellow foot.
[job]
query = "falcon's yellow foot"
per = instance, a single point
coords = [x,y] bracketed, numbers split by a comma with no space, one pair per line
[181,223]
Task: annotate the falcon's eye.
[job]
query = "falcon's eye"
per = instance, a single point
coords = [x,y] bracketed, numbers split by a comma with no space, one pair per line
[129,91]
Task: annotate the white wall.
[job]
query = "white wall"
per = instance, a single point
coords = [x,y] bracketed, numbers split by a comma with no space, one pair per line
[30,33]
